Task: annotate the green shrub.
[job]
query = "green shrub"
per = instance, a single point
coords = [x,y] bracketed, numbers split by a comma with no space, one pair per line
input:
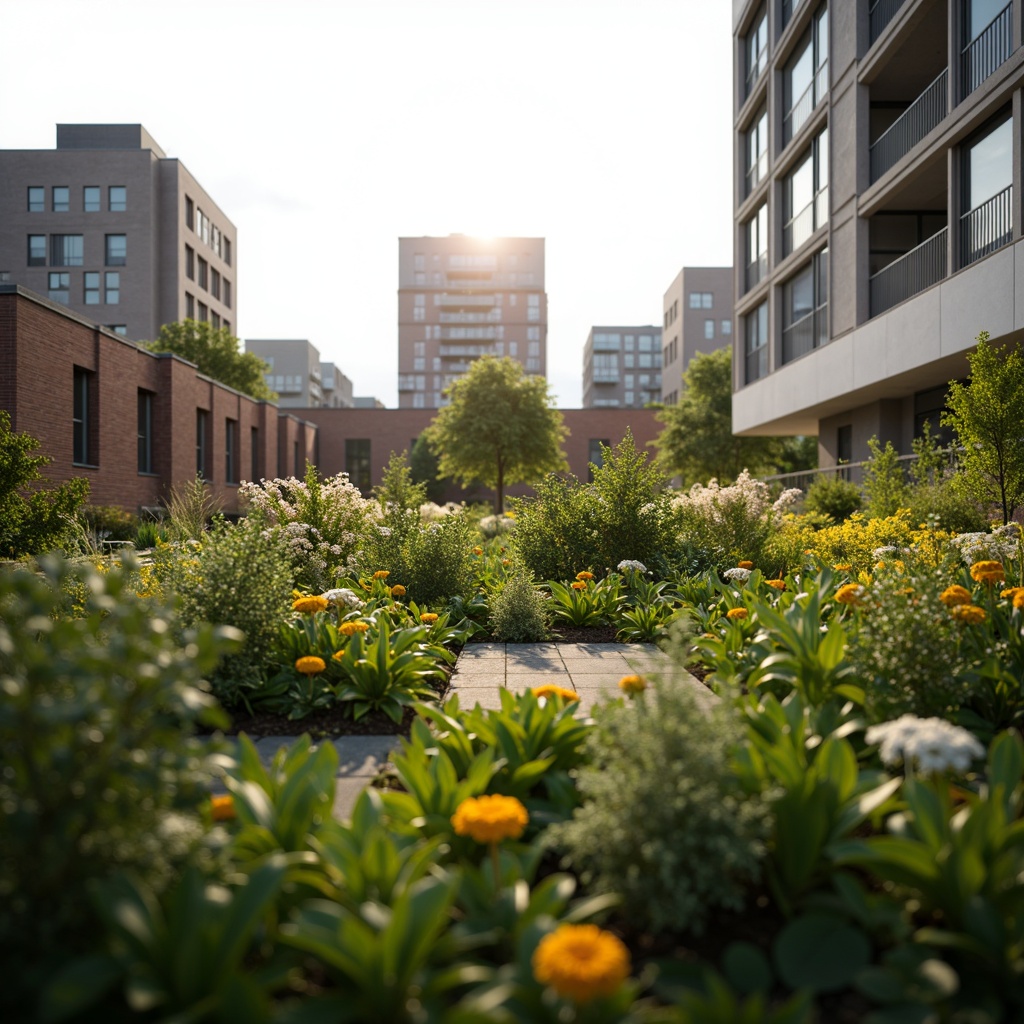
[108,522]
[519,611]
[955,510]
[438,557]
[387,539]
[663,821]
[885,484]
[190,509]
[100,772]
[834,497]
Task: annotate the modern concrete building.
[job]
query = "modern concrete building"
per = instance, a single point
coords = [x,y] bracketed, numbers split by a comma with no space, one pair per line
[110,226]
[622,367]
[877,210]
[301,379]
[336,387]
[697,317]
[462,297]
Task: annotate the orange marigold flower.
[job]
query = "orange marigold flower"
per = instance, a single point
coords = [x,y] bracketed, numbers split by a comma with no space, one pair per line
[428,618]
[952,596]
[310,665]
[578,585]
[1018,600]
[551,690]
[223,807]
[309,603]
[478,550]
[736,613]
[988,572]
[969,613]
[489,819]
[632,685]
[381,574]
[850,593]
[745,564]
[1011,592]
[506,561]
[843,567]
[776,584]
[349,628]
[581,962]
[398,590]
[584,575]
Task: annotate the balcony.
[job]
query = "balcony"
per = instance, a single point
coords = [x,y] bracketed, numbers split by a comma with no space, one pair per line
[913,272]
[462,351]
[880,14]
[466,301]
[606,376]
[910,127]
[987,227]
[986,52]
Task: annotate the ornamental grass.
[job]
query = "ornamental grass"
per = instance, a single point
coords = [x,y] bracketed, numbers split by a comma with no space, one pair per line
[581,962]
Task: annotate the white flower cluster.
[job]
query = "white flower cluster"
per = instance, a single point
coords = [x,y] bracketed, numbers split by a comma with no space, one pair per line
[631,565]
[429,511]
[492,526]
[932,743]
[715,503]
[343,595]
[890,551]
[737,575]
[1002,543]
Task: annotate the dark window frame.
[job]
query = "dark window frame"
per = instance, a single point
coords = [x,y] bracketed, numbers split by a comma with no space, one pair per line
[82,418]
[112,258]
[144,426]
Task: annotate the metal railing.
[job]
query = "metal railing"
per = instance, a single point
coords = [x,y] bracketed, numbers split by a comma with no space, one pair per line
[986,52]
[851,471]
[756,364]
[916,270]
[799,229]
[880,14]
[798,338]
[755,271]
[910,127]
[798,114]
[987,227]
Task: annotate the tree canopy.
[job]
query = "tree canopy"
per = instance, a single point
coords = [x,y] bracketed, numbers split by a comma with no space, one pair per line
[697,442]
[985,413]
[216,352]
[498,429]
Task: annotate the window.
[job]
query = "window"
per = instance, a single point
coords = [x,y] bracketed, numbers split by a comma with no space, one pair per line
[36,199]
[202,443]
[357,462]
[117,199]
[92,288]
[189,213]
[227,251]
[844,443]
[987,223]
[702,300]
[204,313]
[145,431]
[215,319]
[227,292]
[806,196]
[805,80]
[227,326]
[82,385]
[190,263]
[805,309]
[203,267]
[756,46]
[726,327]
[190,307]
[60,288]
[214,283]
[709,330]
[756,230]
[231,451]
[755,326]
[987,32]
[757,150]
[112,283]
[595,455]
[254,453]
[37,250]
[533,307]
[66,251]
[116,250]
[121,329]
[202,226]
[61,198]
[91,199]
[419,309]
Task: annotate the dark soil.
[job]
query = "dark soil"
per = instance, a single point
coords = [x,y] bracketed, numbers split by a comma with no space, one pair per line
[336,721]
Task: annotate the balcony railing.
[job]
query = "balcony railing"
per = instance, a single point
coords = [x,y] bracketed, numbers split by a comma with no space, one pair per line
[606,376]
[910,127]
[987,227]
[798,114]
[986,52]
[916,270]
[756,271]
[756,364]
[467,300]
[880,14]
[798,338]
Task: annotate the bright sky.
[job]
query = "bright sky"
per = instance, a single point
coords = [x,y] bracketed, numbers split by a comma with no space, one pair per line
[327,129]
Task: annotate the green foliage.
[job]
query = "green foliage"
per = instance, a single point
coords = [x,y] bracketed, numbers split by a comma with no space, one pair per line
[579,606]
[698,443]
[32,519]
[664,823]
[519,611]
[190,509]
[438,556]
[399,499]
[424,466]
[215,351]
[833,496]
[885,485]
[100,770]
[108,522]
[499,428]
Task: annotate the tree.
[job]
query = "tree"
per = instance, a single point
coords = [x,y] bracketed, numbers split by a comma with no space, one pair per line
[698,442]
[423,464]
[215,352]
[499,428]
[985,413]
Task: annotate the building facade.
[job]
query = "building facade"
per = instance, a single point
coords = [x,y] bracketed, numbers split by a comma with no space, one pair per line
[462,297]
[111,227]
[622,367]
[696,317]
[877,210]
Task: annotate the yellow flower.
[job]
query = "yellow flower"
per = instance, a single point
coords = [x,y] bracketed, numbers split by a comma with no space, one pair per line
[223,807]
[584,575]
[578,585]
[745,564]
[310,665]
[988,572]
[398,590]
[489,819]
[1018,600]
[906,591]
[311,603]
[348,628]
[776,584]
[506,561]
[969,613]
[478,551]
[581,962]
[736,613]
[550,690]
[381,574]
[844,567]
[952,596]
[850,593]
[1012,592]
[633,684]
[428,618]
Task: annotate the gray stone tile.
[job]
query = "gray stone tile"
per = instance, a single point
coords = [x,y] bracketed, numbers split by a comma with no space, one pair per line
[487,668]
[481,652]
[346,792]
[488,697]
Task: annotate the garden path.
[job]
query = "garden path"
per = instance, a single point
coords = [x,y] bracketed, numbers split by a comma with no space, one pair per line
[592,670]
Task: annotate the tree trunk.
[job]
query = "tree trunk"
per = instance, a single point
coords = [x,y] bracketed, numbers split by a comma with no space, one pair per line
[499,490]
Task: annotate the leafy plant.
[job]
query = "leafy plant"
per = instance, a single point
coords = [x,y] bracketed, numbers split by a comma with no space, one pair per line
[577,604]
[190,509]
[833,496]
[519,612]
[438,556]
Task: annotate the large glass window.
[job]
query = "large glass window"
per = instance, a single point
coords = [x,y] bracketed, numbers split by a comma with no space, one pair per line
[59,287]
[92,288]
[755,326]
[805,309]
[112,282]
[190,263]
[66,250]
[757,151]
[81,416]
[145,431]
[756,45]
[757,246]
[61,198]
[37,250]
[987,223]
[91,199]
[117,198]
[805,80]
[116,250]
[987,33]
[806,196]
